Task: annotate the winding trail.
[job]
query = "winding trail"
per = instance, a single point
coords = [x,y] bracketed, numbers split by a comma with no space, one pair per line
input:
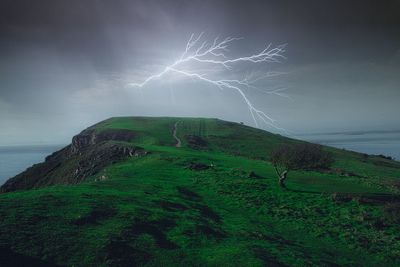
[178,141]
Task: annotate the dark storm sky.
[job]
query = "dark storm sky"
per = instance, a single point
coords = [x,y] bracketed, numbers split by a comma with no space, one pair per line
[63,64]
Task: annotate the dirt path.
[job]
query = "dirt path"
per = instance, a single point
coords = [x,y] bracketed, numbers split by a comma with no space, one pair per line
[178,141]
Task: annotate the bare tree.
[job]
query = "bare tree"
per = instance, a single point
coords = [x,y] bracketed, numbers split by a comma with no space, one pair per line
[281,159]
[302,156]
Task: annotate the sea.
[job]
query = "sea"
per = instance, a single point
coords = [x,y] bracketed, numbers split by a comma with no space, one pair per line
[385,143]
[15,159]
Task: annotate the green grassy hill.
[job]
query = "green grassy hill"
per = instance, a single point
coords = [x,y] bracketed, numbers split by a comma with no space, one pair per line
[122,194]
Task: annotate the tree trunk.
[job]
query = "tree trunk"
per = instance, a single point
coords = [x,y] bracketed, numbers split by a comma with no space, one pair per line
[282,178]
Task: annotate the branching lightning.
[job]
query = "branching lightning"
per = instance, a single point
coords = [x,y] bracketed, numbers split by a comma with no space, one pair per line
[214,54]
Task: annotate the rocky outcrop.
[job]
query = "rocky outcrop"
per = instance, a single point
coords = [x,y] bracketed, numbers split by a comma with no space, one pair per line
[89,153]
[93,136]
[196,166]
[94,158]
[196,142]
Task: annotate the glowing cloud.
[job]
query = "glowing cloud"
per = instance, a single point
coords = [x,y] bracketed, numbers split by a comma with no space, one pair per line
[214,54]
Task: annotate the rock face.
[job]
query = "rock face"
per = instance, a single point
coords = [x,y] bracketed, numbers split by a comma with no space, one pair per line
[92,137]
[89,153]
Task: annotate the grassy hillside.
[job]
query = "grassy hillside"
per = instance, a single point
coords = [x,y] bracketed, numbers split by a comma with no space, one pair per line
[213,201]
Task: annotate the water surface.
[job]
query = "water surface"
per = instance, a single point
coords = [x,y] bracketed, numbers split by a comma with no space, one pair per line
[375,142]
[15,159]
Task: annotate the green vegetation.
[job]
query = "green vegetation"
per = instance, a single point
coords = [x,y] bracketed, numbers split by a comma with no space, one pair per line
[212,202]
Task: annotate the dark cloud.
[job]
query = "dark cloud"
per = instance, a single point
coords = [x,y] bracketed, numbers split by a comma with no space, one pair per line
[64,64]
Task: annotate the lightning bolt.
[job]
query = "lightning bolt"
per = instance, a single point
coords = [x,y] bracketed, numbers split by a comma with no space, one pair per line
[214,54]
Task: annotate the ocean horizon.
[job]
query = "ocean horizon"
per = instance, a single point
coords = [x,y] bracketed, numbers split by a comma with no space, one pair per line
[17,158]
[385,143]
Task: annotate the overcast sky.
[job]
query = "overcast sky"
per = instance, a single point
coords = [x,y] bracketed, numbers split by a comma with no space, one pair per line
[65,65]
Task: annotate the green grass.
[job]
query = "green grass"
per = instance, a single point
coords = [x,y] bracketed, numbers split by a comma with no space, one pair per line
[155,211]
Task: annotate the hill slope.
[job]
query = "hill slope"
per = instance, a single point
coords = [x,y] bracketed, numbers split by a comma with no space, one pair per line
[123,194]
